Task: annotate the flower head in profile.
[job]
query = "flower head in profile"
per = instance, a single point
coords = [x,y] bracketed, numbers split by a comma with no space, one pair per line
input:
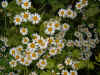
[13,63]
[72,72]
[65,72]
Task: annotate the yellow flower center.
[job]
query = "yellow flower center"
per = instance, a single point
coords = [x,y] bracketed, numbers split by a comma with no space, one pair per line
[39,51]
[56,40]
[50,40]
[4,3]
[56,25]
[43,62]
[69,12]
[25,40]
[65,73]
[72,73]
[20,49]
[19,0]
[17,19]
[25,4]
[33,55]
[26,16]
[12,63]
[52,51]
[62,12]
[24,30]
[13,52]
[50,29]
[17,57]
[34,37]
[40,41]
[32,45]
[65,26]
[22,59]
[35,18]
[79,5]
[76,66]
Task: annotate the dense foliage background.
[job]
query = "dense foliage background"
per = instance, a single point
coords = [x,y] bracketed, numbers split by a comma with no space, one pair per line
[49,9]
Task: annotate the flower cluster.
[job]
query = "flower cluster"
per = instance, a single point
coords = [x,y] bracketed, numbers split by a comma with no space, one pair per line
[39,48]
[81,4]
[53,25]
[85,39]
[68,62]
[25,4]
[35,47]
[69,13]
[27,16]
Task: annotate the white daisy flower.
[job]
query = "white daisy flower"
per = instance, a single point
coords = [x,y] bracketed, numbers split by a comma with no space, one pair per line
[34,55]
[19,1]
[77,43]
[22,60]
[65,27]
[50,40]
[43,62]
[13,51]
[17,20]
[84,3]
[27,63]
[73,72]
[52,51]
[26,4]
[60,66]
[79,5]
[69,13]
[24,31]
[11,73]
[74,15]
[17,57]
[50,24]
[25,16]
[68,61]
[33,73]
[70,43]
[13,63]
[28,58]
[62,12]
[35,36]
[32,46]
[60,45]
[65,72]
[25,40]
[44,44]
[75,65]
[19,48]
[40,52]
[28,52]
[77,34]
[57,25]
[35,18]
[50,30]
[85,43]
[4,4]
